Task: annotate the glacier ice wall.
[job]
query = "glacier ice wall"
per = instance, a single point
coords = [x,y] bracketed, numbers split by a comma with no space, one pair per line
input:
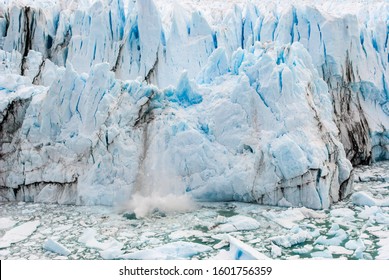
[249,101]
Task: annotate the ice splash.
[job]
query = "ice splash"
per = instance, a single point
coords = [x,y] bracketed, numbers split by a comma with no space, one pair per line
[143,205]
[158,187]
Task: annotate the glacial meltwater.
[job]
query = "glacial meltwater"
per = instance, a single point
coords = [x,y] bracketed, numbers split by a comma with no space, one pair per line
[356,228]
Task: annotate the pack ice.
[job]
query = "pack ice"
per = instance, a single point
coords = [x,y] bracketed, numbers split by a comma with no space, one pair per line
[246,101]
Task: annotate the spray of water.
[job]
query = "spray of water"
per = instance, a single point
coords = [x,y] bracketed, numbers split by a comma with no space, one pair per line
[143,205]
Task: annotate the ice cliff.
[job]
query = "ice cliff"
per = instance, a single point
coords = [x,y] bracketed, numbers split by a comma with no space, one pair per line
[250,101]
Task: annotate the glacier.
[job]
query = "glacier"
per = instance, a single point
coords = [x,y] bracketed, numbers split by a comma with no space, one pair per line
[248,101]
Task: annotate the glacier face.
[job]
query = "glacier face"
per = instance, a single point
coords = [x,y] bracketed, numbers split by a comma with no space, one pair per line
[251,102]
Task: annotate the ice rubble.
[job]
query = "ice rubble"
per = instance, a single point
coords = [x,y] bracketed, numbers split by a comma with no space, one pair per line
[258,103]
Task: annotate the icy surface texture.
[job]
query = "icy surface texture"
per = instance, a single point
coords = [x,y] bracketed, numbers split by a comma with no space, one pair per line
[256,103]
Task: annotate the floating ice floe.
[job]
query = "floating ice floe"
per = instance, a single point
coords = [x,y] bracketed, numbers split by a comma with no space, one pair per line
[364,199]
[378,232]
[368,212]
[296,236]
[236,223]
[180,234]
[342,212]
[18,233]
[110,249]
[240,251]
[339,235]
[339,250]
[174,250]
[56,247]
[358,246]
[304,250]
[326,254]
[112,253]
[289,218]
[374,214]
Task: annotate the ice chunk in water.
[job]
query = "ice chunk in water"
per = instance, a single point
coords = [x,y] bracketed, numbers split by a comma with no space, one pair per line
[297,236]
[18,233]
[326,254]
[90,241]
[240,251]
[339,236]
[238,222]
[363,198]
[56,247]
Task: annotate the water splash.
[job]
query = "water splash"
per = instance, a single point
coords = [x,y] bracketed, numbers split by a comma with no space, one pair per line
[143,205]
